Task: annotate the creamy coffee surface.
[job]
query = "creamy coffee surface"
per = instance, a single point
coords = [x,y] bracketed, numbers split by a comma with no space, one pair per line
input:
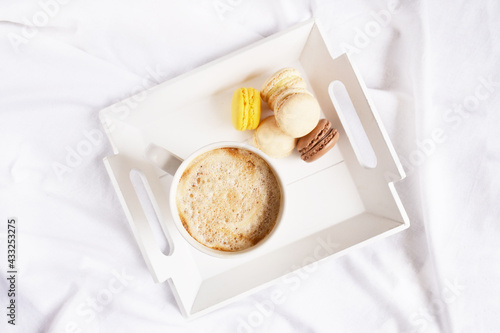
[228,199]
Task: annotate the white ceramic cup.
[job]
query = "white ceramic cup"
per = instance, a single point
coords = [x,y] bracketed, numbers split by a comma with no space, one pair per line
[176,166]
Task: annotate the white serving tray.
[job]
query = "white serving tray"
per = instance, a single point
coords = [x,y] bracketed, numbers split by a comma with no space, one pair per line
[335,203]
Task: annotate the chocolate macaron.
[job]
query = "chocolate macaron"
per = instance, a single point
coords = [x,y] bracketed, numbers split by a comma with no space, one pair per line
[318,142]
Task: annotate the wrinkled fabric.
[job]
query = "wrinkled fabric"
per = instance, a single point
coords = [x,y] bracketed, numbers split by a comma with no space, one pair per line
[432,69]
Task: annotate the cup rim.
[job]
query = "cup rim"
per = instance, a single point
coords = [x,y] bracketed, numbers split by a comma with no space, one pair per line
[173,204]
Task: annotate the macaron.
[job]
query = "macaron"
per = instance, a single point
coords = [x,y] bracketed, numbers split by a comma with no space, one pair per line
[317,143]
[283,79]
[297,112]
[245,109]
[271,140]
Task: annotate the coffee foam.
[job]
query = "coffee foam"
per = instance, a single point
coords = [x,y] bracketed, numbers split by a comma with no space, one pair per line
[228,199]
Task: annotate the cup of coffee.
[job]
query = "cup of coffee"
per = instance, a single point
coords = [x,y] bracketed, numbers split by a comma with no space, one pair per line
[226,198]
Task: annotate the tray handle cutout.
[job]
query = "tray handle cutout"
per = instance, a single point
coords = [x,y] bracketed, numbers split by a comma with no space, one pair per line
[370,141]
[141,189]
[119,168]
[352,125]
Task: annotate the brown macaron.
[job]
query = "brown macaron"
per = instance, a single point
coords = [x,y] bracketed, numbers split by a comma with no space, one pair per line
[318,142]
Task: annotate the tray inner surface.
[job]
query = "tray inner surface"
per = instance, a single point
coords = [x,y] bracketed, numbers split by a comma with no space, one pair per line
[333,203]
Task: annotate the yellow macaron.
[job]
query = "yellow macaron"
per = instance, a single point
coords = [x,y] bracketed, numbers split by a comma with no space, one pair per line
[245,109]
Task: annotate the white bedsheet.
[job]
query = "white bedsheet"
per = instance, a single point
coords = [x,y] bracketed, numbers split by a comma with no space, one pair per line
[433,71]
